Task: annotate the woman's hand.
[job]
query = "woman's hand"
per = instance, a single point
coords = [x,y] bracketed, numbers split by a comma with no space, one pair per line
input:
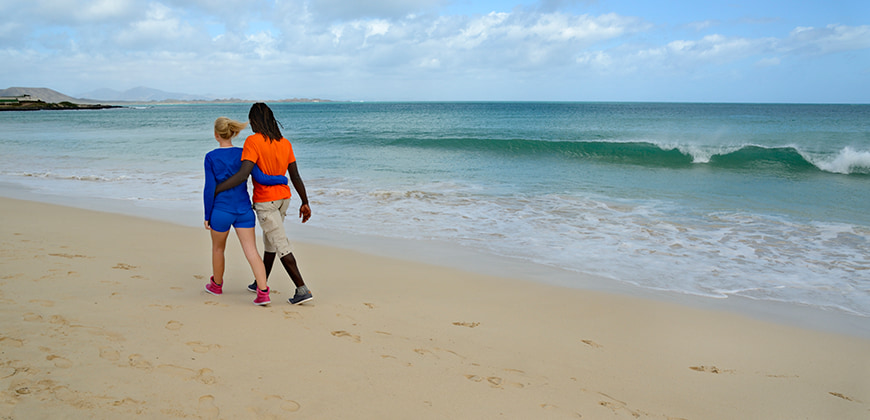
[304,212]
[207,225]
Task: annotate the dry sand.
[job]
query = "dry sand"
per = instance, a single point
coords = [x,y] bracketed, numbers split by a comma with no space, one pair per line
[104,316]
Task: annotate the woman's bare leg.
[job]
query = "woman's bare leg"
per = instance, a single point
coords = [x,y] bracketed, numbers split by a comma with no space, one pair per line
[248,240]
[218,246]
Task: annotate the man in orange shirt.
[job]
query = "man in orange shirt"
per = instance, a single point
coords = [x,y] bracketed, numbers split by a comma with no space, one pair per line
[273,154]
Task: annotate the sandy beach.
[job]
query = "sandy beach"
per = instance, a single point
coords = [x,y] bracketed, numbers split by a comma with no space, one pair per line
[104,316]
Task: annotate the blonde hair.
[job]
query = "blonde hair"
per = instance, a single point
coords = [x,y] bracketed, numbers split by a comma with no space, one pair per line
[227,128]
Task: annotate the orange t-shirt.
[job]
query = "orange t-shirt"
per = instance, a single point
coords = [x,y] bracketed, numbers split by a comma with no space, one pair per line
[273,158]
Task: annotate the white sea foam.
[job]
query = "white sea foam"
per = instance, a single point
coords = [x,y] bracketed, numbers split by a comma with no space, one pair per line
[716,255]
[848,161]
[703,153]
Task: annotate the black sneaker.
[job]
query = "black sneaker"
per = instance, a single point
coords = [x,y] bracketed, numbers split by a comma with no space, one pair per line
[253,287]
[300,298]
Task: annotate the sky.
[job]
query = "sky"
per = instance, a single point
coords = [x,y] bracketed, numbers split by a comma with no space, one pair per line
[445,50]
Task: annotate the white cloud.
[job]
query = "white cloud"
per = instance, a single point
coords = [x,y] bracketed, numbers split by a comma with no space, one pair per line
[478,31]
[73,12]
[715,49]
[595,59]
[262,44]
[719,49]
[160,30]
[102,10]
[828,40]
[520,40]
[379,43]
[332,10]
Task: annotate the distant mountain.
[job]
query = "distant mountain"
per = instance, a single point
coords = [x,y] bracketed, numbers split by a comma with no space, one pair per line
[43,94]
[141,94]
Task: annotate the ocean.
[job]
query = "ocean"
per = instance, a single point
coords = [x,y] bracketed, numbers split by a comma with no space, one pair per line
[769,202]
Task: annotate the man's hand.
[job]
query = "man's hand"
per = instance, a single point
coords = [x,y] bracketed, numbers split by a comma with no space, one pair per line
[305,212]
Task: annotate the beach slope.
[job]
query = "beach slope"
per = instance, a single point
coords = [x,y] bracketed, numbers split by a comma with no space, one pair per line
[104,316]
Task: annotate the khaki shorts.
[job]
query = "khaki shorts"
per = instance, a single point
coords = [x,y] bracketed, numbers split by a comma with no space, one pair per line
[271,215]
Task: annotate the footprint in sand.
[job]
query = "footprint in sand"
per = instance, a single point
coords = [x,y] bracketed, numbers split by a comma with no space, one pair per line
[174,325]
[138,361]
[43,303]
[85,401]
[275,407]
[204,376]
[839,395]
[12,342]
[495,381]
[32,317]
[592,344]
[7,372]
[711,369]
[161,307]
[292,315]
[369,305]
[123,266]
[354,338]
[427,352]
[207,408]
[199,347]
[60,362]
[778,376]
[63,393]
[424,352]
[616,405]
[70,256]
[467,324]
[127,401]
[110,354]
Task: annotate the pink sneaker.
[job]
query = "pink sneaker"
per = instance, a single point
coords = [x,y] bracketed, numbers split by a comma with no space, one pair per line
[214,288]
[262,297]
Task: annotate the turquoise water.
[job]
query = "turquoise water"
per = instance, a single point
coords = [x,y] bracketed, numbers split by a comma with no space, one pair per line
[767,202]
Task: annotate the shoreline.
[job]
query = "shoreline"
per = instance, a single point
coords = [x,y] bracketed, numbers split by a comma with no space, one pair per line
[475,261]
[107,317]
